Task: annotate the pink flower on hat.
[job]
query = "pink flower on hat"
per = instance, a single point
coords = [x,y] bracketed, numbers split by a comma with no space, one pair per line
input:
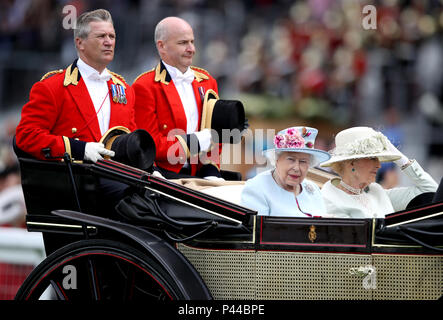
[279,141]
[290,139]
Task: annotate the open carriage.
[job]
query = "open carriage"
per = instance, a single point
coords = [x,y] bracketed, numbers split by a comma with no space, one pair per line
[168,241]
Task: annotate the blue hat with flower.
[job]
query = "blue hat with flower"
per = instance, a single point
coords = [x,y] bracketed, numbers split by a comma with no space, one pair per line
[297,139]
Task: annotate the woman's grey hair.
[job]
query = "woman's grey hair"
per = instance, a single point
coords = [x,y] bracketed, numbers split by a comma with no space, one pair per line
[276,154]
[82,28]
[339,167]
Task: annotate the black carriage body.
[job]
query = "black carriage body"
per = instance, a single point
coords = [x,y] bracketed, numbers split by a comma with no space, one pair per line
[53,209]
[304,258]
[270,258]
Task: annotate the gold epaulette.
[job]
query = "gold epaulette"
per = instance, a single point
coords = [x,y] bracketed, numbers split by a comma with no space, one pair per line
[50,73]
[117,79]
[200,76]
[117,75]
[199,69]
[143,74]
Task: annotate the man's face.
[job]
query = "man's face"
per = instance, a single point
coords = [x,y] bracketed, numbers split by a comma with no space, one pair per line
[178,49]
[97,50]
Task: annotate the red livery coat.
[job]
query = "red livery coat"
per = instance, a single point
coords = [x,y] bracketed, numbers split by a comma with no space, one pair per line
[158,110]
[60,115]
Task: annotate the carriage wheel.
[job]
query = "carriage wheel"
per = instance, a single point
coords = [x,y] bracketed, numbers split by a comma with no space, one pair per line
[98,270]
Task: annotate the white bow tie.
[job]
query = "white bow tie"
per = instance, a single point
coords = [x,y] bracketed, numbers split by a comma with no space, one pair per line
[98,77]
[187,77]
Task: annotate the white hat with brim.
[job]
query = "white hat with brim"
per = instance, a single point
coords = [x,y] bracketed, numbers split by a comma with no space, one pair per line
[359,143]
[306,137]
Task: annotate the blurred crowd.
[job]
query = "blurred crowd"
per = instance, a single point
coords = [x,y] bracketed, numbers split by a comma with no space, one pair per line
[308,59]
[12,205]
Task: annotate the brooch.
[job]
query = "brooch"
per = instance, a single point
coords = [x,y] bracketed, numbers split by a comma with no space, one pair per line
[309,188]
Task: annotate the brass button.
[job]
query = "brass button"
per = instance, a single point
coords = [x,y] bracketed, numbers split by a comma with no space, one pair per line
[74,130]
[165,127]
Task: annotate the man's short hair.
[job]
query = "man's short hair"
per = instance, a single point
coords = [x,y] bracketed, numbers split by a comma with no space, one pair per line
[160,31]
[82,26]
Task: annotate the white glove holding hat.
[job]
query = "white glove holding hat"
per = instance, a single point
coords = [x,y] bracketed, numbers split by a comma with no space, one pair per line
[204,139]
[403,159]
[95,150]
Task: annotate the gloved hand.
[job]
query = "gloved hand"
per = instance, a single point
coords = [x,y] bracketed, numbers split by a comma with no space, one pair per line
[403,159]
[157,174]
[95,150]
[204,139]
[213,178]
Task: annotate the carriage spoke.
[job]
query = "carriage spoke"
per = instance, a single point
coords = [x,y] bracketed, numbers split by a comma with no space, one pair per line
[58,290]
[92,270]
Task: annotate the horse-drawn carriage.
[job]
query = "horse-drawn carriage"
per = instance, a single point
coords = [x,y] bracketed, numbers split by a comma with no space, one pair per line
[168,241]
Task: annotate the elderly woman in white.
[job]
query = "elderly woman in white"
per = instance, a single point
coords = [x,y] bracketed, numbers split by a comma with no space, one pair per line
[283,191]
[356,158]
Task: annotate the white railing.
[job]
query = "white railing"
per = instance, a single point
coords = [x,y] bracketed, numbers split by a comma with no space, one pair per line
[20,252]
[21,247]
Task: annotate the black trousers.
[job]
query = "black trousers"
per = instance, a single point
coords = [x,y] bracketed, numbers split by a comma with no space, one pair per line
[109,193]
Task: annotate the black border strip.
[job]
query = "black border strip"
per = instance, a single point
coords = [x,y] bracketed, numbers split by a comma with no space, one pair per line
[409,215]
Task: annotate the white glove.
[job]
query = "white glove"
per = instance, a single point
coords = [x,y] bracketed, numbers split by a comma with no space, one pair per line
[213,178]
[204,139]
[403,159]
[157,174]
[95,150]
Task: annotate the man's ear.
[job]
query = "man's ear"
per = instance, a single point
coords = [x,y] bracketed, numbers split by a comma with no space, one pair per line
[160,45]
[78,43]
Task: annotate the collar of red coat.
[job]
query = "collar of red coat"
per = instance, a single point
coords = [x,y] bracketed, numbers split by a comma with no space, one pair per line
[162,75]
[72,76]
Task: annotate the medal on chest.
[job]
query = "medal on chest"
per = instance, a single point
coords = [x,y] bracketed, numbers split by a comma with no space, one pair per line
[118,93]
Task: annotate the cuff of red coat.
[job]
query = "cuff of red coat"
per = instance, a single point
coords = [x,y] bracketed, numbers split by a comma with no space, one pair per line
[75,148]
[190,144]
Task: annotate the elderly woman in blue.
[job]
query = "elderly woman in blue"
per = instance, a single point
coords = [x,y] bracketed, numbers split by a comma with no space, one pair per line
[283,190]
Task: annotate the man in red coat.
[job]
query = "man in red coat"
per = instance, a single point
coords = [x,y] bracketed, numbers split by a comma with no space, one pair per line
[70,110]
[169,101]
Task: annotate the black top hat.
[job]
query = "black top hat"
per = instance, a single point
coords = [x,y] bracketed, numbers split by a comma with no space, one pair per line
[421,200]
[223,114]
[439,193]
[136,149]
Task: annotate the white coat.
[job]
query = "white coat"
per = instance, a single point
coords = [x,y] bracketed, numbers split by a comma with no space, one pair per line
[377,202]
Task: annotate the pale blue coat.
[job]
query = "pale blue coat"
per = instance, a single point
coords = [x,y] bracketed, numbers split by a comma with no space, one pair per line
[263,194]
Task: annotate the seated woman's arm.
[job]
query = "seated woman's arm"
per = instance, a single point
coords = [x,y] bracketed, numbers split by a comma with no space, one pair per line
[254,198]
[423,182]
